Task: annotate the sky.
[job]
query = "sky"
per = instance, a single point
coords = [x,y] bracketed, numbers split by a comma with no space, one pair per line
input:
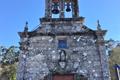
[15,13]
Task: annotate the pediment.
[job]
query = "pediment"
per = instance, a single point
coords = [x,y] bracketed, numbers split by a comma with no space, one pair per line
[63,28]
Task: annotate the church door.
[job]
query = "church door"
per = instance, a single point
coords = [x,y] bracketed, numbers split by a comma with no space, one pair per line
[63,77]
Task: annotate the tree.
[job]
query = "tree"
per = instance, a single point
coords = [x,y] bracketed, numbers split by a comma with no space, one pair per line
[11,55]
[114,59]
[8,61]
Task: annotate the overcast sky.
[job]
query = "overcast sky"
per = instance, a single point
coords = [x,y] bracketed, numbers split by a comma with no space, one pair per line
[14,14]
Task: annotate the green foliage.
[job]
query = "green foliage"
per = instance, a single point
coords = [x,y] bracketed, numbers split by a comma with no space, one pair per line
[9,58]
[114,59]
[9,55]
[8,71]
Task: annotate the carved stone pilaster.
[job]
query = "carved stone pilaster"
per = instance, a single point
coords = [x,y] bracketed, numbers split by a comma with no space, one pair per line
[62,6]
[48,8]
[100,36]
[75,8]
[102,54]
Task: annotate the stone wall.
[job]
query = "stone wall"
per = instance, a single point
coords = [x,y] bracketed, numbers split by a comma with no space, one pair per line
[82,52]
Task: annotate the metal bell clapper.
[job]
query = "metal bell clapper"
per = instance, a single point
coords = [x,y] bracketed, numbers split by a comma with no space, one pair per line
[68,7]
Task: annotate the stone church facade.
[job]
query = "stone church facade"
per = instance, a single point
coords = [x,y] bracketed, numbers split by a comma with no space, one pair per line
[62,48]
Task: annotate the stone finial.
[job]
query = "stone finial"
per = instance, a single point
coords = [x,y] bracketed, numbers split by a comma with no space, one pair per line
[25,33]
[98,25]
[26,27]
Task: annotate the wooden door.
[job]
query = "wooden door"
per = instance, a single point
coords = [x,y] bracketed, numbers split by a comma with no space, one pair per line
[63,77]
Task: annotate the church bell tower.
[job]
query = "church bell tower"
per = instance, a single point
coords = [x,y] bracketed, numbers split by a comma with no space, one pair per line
[60,7]
[62,48]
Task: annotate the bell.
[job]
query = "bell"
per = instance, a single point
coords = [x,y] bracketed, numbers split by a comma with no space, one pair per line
[55,8]
[55,11]
[68,9]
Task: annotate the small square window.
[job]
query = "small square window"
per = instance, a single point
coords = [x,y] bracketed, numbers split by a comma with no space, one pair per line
[62,44]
